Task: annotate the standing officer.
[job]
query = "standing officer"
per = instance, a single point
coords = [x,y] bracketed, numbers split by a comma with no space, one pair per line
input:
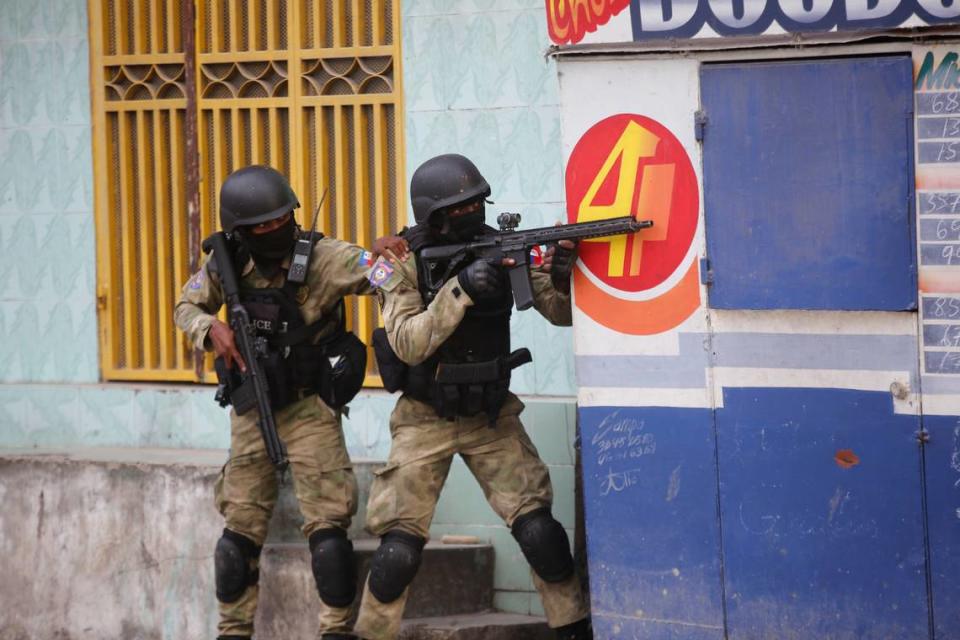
[465,327]
[256,209]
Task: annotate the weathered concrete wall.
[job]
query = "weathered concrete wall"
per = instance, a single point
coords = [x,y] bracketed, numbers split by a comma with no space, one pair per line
[118,543]
[120,549]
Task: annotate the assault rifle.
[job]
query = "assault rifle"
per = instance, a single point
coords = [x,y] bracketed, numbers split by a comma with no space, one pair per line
[250,389]
[510,243]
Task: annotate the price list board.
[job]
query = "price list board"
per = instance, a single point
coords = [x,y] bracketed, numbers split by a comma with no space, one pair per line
[938,228]
[941,334]
[938,145]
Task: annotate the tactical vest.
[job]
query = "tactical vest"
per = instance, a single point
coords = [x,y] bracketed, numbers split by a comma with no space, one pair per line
[470,372]
[291,362]
[294,362]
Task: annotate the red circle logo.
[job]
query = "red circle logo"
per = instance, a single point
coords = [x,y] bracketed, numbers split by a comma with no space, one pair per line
[629,164]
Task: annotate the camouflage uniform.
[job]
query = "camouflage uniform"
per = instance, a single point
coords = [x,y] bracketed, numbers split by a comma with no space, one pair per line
[502,458]
[323,479]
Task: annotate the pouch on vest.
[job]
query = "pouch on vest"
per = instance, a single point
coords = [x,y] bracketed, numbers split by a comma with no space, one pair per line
[393,370]
[232,388]
[466,389]
[345,368]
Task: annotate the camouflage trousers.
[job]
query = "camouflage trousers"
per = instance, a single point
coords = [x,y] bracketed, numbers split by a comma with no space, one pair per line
[404,494]
[323,482]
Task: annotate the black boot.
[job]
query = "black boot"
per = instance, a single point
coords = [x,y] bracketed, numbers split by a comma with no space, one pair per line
[579,630]
[338,636]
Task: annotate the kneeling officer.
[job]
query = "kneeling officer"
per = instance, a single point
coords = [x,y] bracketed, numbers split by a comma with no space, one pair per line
[298,324]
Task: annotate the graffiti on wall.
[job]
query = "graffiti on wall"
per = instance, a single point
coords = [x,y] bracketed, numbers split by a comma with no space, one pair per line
[937,108]
[569,20]
[645,283]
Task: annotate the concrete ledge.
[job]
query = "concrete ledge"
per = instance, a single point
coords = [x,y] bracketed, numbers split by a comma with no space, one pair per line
[106,549]
[287,520]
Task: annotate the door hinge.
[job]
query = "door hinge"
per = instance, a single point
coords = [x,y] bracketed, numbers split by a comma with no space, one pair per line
[706,273]
[699,124]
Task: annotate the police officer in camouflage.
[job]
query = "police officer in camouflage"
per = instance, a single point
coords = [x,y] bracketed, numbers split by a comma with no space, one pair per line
[256,210]
[465,326]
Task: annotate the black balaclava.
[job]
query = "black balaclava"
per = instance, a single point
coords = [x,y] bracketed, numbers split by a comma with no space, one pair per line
[462,228]
[269,249]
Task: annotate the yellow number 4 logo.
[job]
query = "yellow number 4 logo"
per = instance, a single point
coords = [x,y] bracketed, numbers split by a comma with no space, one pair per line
[652,202]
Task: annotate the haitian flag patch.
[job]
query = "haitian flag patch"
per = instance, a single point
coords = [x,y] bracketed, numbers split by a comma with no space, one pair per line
[380,273]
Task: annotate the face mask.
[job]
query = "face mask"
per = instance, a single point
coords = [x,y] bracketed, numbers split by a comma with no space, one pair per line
[269,249]
[273,245]
[464,227]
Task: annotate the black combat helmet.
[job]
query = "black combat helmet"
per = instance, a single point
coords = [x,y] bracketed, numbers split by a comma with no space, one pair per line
[444,181]
[253,195]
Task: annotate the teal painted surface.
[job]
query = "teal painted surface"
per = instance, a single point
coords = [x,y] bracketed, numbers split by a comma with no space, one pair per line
[173,416]
[47,263]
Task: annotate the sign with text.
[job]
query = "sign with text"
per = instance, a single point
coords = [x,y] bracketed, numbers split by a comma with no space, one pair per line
[569,21]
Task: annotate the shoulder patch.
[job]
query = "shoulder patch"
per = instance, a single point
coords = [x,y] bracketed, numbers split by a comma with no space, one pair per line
[383,275]
[358,257]
[196,281]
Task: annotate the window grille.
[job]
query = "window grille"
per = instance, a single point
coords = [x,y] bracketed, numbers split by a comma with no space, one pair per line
[310,87]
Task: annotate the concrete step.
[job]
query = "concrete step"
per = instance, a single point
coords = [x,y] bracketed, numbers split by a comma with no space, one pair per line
[453,579]
[481,626]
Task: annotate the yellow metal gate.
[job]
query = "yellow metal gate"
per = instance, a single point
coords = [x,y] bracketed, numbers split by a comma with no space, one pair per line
[310,87]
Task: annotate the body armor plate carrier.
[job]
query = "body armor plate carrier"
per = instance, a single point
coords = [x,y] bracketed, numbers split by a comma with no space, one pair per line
[470,372]
[296,366]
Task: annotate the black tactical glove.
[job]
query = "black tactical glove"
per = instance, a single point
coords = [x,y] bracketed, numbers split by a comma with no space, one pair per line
[561,260]
[480,279]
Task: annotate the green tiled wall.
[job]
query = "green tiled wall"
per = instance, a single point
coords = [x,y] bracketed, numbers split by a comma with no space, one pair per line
[47,264]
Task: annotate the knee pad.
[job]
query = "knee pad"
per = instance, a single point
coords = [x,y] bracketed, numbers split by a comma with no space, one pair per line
[334,566]
[232,565]
[394,565]
[545,544]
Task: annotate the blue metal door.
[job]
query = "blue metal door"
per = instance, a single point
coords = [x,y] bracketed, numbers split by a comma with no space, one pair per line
[808,183]
[808,178]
